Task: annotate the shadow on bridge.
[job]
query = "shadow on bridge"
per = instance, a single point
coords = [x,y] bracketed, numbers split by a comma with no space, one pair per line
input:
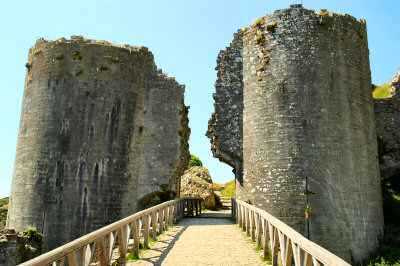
[166,241]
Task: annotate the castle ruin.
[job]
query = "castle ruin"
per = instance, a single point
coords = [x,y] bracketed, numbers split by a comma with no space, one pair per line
[103,134]
[296,89]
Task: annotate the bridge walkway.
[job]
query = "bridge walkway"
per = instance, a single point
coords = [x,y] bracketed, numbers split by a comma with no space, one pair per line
[211,239]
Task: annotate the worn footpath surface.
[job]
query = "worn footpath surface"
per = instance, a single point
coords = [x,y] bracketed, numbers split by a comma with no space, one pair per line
[201,241]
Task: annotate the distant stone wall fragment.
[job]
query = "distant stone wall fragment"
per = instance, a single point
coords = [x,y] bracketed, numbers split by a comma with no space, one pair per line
[225,128]
[103,134]
[197,182]
[387,119]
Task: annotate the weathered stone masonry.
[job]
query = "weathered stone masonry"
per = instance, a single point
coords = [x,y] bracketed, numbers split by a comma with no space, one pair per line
[16,248]
[225,128]
[308,118]
[103,134]
[387,112]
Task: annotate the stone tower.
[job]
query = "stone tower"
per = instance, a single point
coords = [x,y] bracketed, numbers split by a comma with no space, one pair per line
[103,134]
[308,127]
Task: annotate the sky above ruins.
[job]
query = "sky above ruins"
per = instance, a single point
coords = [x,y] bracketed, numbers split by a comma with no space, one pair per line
[185,37]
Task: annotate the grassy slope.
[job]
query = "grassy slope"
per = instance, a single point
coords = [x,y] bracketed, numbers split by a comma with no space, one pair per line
[382,91]
[229,189]
[3,211]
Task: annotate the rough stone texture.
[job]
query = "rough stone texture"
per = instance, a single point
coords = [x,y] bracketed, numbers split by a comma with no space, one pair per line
[16,248]
[387,113]
[197,182]
[308,118]
[103,134]
[225,128]
[395,84]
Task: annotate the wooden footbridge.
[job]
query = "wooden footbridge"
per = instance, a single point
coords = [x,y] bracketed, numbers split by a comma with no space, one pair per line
[111,245]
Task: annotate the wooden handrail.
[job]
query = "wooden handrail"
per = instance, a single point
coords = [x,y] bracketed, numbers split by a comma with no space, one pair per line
[99,245]
[272,234]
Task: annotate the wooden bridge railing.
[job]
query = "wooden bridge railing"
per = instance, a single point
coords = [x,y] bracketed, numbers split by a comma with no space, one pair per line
[273,236]
[98,247]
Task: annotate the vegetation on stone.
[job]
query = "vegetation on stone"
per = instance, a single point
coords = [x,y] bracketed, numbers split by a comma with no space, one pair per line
[194,161]
[33,234]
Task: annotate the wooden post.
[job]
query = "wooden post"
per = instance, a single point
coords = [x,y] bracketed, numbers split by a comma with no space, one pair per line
[239,215]
[175,213]
[72,259]
[244,218]
[154,225]
[122,243]
[266,238]
[171,214]
[253,226]
[200,206]
[233,209]
[166,215]
[101,255]
[87,254]
[248,221]
[273,235]
[259,230]
[136,239]
[160,220]
[181,208]
[146,231]
[284,244]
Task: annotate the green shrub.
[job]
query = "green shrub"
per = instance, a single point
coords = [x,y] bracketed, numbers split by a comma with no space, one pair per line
[33,234]
[384,256]
[194,161]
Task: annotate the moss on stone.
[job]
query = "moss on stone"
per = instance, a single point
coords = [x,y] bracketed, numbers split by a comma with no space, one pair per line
[271,27]
[260,39]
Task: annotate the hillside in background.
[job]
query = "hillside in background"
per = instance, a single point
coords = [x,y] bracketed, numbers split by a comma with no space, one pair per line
[3,211]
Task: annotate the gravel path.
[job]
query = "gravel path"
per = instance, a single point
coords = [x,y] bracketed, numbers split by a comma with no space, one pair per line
[202,241]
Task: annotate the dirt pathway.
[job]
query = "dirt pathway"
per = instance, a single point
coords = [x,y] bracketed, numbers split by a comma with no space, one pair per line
[202,241]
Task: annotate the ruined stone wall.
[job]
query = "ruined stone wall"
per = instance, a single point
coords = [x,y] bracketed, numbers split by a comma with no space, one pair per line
[225,128]
[103,134]
[308,119]
[16,248]
[387,111]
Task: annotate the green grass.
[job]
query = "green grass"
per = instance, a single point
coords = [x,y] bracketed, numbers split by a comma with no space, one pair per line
[217,186]
[229,190]
[382,91]
[132,256]
[3,211]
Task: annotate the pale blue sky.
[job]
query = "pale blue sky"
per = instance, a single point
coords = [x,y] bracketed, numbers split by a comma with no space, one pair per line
[184,35]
